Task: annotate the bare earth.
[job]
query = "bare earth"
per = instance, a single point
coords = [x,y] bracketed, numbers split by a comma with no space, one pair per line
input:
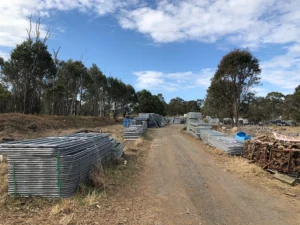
[184,185]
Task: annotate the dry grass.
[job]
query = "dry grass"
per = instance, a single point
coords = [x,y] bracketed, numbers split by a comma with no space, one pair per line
[67,220]
[139,142]
[129,146]
[116,131]
[242,167]
[65,206]
[3,178]
[253,172]
[91,199]
[19,126]
[214,151]
[97,176]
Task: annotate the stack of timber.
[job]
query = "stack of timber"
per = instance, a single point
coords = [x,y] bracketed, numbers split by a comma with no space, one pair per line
[258,150]
[274,154]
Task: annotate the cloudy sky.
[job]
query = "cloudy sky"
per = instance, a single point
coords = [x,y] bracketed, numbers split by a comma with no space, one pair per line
[165,46]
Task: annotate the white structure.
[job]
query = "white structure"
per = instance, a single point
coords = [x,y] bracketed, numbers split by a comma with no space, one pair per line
[241,121]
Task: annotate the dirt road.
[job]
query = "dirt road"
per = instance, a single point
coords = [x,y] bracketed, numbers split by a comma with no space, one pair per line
[183,185]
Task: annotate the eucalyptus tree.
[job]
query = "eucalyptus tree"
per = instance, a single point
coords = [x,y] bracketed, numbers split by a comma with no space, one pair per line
[94,97]
[26,70]
[237,73]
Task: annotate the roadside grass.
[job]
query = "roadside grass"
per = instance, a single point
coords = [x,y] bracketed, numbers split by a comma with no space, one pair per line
[148,135]
[92,198]
[3,177]
[64,206]
[241,166]
[139,142]
[68,220]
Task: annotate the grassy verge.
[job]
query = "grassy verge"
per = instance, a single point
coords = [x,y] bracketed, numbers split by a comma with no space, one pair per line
[20,126]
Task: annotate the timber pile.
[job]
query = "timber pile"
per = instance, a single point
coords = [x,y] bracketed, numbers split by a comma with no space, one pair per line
[286,160]
[279,160]
[258,150]
[273,154]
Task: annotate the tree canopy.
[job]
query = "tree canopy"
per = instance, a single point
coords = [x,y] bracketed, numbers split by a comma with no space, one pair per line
[149,103]
[237,72]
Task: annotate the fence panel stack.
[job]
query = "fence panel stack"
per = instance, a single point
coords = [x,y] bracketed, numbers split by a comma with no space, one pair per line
[195,124]
[193,120]
[53,166]
[222,142]
[207,134]
[133,132]
[227,144]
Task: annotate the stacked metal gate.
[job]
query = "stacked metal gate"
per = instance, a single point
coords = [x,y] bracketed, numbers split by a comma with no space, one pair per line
[227,144]
[194,124]
[133,132]
[207,135]
[55,166]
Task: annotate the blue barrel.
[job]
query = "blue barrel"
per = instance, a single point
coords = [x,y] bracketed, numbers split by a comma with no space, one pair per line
[241,137]
[126,122]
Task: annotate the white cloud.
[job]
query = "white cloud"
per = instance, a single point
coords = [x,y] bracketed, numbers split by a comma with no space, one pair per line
[154,80]
[61,29]
[259,91]
[205,77]
[241,22]
[14,14]
[172,82]
[4,55]
[283,71]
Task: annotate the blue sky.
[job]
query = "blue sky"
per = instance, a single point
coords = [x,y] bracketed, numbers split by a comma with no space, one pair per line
[169,47]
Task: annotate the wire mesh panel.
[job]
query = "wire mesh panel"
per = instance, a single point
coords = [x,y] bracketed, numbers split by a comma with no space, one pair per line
[206,134]
[133,132]
[227,144]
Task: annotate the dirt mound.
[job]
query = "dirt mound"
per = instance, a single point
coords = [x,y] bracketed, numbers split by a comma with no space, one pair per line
[15,125]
